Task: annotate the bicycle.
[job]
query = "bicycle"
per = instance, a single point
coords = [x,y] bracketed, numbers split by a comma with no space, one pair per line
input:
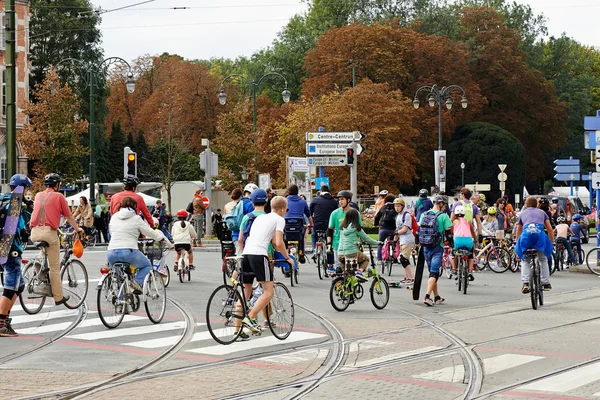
[156,253]
[292,248]
[183,267]
[446,267]
[36,275]
[390,245]
[463,268]
[592,260]
[535,281]
[292,235]
[115,296]
[227,307]
[496,258]
[347,288]
[321,254]
[561,257]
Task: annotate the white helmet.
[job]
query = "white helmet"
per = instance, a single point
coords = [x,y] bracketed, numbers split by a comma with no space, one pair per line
[251,187]
[459,211]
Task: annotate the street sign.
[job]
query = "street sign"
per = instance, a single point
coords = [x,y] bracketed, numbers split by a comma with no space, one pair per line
[326,149]
[595,180]
[205,201]
[214,165]
[321,181]
[334,136]
[589,140]
[479,187]
[502,177]
[567,177]
[567,169]
[586,177]
[566,162]
[360,149]
[502,167]
[592,123]
[327,161]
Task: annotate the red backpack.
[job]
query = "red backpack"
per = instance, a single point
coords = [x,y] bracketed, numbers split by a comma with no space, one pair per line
[415,226]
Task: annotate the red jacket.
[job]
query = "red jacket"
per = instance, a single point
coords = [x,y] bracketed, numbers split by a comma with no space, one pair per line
[116,199]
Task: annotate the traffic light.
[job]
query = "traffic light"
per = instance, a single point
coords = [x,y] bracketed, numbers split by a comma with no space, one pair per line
[132,163]
[350,156]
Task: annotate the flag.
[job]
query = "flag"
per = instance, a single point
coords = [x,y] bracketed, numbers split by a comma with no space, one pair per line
[525,193]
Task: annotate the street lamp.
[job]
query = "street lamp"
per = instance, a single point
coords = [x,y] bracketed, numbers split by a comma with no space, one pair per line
[440,96]
[90,74]
[462,170]
[244,175]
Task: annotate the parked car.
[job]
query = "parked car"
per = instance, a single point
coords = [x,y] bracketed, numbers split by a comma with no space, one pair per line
[572,205]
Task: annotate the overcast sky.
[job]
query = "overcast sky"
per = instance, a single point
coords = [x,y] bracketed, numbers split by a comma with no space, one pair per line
[231,28]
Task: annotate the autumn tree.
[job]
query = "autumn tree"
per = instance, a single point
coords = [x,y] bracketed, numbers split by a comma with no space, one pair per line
[54,133]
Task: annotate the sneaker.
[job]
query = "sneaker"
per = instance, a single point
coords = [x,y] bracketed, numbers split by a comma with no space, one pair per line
[302,259]
[133,285]
[471,277]
[547,287]
[314,258]
[252,325]
[525,288]
[176,267]
[428,301]
[5,331]
[439,300]
[331,271]
[163,271]
[360,276]
[242,337]
[192,267]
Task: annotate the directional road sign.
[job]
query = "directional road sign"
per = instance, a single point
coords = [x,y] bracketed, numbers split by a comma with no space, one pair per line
[567,177]
[331,149]
[586,177]
[479,187]
[360,149]
[592,123]
[327,161]
[334,136]
[567,169]
[566,162]
[589,140]
[595,180]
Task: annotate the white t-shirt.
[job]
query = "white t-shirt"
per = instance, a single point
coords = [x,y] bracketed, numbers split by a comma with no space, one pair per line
[262,232]
[408,236]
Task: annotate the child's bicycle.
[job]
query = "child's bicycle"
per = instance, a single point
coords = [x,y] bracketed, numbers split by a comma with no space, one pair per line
[347,288]
[157,254]
[387,255]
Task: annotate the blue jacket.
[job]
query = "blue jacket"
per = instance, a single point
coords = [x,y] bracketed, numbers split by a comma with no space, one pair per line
[424,205]
[533,237]
[297,207]
[321,208]
[577,231]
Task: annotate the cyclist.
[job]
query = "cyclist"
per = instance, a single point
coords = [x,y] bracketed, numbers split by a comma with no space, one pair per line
[184,234]
[13,277]
[247,208]
[321,208]
[406,237]
[479,200]
[335,222]
[578,233]
[125,228]
[386,219]
[562,232]
[423,203]
[490,223]
[298,209]
[161,265]
[266,228]
[471,214]
[48,207]
[259,201]
[530,235]
[464,233]
[85,215]
[130,183]
[557,210]
[433,255]
[351,233]
[380,200]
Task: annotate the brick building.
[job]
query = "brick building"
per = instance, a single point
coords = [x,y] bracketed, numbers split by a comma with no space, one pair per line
[22,19]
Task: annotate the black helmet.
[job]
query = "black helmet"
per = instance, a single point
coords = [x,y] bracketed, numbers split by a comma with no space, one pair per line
[131,180]
[440,199]
[20,180]
[555,200]
[345,193]
[52,179]
[423,193]
[544,200]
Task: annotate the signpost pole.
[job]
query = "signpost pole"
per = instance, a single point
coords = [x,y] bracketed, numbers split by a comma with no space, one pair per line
[353,173]
[208,187]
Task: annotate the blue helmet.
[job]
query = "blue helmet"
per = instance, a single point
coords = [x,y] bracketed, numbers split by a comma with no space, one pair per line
[577,217]
[259,196]
[20,180]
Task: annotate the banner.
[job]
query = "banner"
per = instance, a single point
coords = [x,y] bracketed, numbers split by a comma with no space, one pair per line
[439,163]
[298,174]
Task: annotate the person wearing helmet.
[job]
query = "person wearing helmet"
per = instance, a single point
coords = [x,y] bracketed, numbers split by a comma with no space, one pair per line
[380,200]
[183,234]
[335,222]
[259,200]
[48,208]
[236,196]
[297,210]
[321,208]
[433,255]
[249,188]
[165,239]
[386,220]
[578,232]
[490,223]
[464,235]
[530,235]
[562,232]
[13,276]
[130,183]
[423,203]
[556,210]
[406,237]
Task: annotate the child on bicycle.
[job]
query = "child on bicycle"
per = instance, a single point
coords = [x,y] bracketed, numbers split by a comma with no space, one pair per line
[183,234]
[464,235]
[562,232]
[490,222]
[351,233]
[578,233]
[163,259]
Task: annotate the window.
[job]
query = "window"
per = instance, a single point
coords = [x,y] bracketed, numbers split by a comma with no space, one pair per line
[3,89]
[3,179]
[3,33]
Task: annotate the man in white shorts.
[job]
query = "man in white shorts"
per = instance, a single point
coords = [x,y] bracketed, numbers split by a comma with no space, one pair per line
[267,228]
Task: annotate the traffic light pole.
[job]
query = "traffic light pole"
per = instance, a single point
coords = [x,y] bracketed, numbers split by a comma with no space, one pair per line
[354,172]
[208,188]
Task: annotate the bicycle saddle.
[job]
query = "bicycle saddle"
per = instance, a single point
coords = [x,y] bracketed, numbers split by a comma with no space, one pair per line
[41,244]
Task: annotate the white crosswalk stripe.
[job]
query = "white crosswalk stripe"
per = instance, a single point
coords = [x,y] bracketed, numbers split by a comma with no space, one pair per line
[42,316]
[392,356]
[138,330]
[567,381]
[64,325]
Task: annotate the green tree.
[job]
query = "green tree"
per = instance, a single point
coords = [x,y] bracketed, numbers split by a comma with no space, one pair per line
[482,146]
[144,155]
[116,143]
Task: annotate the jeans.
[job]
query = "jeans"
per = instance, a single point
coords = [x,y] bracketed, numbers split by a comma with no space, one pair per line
[13,277]
[199,225]
[544,269]
[577,242]
[133,257]
[433,258]
[383,234]
[568,246]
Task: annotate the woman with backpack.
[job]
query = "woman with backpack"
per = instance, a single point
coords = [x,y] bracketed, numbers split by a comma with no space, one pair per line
[386,220]
[406,237]
[183,234]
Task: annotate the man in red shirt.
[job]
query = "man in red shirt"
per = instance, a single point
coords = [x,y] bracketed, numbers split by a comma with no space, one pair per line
[129,185]
[48,207]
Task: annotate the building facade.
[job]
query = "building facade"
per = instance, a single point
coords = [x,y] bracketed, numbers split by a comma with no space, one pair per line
[22,18]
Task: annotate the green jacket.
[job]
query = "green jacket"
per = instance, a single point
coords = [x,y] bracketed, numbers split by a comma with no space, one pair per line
[349,237]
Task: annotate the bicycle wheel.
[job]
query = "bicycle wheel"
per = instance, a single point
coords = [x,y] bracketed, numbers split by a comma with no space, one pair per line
[319,261]
[460,275]
[228,268]
[281,312]
[167,277]
[74,278]
[225,311]
[447,266]
[380,293]
[383,265]
[540,290]
[182,268]
[155,296]
[338,299]
[91,240]
[592,260]
[498,259]
[31,302]
[533,285]
[111,301]
[465,276]
[296,275]
[389,262]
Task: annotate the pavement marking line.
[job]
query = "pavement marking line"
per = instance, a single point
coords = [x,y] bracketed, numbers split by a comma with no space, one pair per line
[24,319]
[568,380]
[296,357]
[20,308]
[138,330]
[389,357]
[171,340]
[256,343]
[64,325]
[491,365]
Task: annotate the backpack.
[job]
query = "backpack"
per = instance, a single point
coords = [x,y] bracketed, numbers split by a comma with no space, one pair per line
[233,218]
[388,216]
[414,225]
[468,210]
[249,222]
[429,234]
